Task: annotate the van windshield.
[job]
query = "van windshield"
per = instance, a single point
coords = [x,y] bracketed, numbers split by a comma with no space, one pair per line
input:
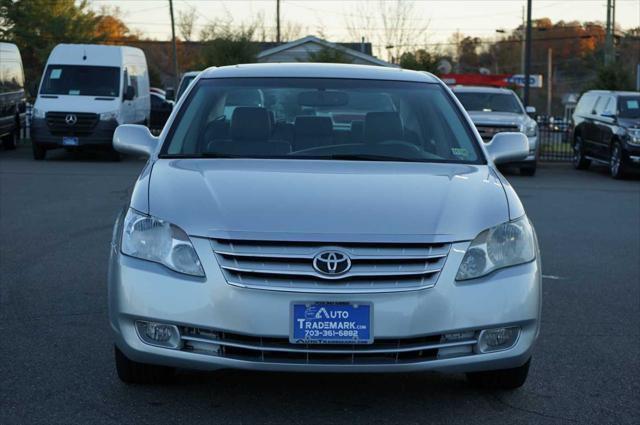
[321,118]
[81,80]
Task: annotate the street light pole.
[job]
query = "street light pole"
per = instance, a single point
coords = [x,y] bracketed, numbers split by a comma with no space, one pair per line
[527,56]
[175,49]
[278,21]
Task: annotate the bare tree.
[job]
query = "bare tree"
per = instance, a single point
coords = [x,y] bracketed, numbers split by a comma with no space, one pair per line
[391,25]
[187,22]
[289,30]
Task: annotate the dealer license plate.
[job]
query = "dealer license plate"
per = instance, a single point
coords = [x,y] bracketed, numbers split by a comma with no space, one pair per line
[70,141]
[331,323]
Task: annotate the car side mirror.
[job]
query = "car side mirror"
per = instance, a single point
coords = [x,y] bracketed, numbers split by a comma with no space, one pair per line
[531,110]
[170,93]
[508,147]
[134,140]
[129,93]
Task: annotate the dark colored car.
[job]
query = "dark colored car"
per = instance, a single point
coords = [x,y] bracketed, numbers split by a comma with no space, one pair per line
[160,110]
[607,130]
[12,95]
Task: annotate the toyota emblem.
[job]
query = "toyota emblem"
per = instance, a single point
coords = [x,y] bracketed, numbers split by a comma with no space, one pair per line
[331,263]
[71,119]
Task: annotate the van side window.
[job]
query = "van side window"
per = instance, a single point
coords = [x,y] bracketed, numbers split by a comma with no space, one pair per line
[585,106]
[610,107]
[601,104]
[11,76]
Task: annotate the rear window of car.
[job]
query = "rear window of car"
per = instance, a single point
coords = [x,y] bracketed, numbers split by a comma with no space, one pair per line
[490,102]
[321,118]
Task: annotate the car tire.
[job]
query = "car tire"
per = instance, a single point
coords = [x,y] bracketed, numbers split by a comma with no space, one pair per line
[10,141]
[39,152]
[529,170]
[579,161]
[616,164]
[131,372]
[504,379]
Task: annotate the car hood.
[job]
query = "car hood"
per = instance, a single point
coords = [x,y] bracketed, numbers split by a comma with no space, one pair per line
[326,201]
[629,122]
[502,118]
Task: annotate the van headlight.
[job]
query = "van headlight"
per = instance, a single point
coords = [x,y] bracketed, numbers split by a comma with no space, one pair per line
[505,245]
[37,113]
[152,239]
[632,136]
[109,116]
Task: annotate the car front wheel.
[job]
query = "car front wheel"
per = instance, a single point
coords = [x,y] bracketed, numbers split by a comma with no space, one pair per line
[132,372]
[504,379]
[616,166]
[579,161]
[10,141]
[39,152]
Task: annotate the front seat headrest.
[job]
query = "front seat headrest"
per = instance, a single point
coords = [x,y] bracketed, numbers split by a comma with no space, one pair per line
[250,123]
[382,126]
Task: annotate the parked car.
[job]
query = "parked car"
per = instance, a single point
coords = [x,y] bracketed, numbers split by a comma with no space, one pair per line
[86,91]
[12,95]
[495,110]
[186,79]
[246,245]
[607,130]
[160,110]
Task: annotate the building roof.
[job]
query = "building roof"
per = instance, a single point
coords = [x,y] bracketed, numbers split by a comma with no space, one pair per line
[318,70]
[312,39]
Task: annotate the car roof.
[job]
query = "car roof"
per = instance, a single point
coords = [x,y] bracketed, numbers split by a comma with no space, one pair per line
[613,92]
[318,70]
[191,74]
[480,89]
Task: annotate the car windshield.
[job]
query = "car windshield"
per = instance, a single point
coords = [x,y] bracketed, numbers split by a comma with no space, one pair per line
[314,118]
[629,107]
[489,102]
[184,84]
[81,80]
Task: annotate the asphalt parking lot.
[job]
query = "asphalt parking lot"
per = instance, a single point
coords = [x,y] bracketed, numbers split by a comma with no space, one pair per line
[56,358]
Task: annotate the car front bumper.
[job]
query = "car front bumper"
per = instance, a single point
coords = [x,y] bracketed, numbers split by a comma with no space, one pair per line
[140,290]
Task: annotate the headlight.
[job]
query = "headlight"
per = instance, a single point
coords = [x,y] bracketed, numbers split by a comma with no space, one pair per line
[505,245]
[633,136]
[107,116]
[530,129]
[37,113]
[156,240]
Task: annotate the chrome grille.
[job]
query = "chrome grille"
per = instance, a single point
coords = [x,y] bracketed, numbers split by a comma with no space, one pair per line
[280,350]
[288,266]
[84,125]
[488,131]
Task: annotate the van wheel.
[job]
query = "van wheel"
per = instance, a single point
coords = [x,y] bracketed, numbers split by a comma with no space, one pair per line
[579,161]
[616,166]
[131,372]
[10,141]
[504,379]
[39,152]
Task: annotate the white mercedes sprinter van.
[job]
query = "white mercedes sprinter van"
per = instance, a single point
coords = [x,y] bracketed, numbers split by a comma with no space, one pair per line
[86,91]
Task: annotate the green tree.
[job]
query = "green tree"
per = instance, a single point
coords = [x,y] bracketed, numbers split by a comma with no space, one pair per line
[612,77]
[420,60]
[226,45]
[36,26]
[327,55]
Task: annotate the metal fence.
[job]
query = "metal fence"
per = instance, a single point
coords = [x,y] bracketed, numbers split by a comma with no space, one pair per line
[554,139]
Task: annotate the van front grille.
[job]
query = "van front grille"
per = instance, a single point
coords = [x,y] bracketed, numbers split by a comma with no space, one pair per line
[71,123]
[289,266]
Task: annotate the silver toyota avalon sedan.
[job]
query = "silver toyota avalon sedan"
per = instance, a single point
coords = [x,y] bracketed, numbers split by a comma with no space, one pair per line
[323,218]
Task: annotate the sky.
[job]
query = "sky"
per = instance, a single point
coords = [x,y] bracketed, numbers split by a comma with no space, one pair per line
[442,18]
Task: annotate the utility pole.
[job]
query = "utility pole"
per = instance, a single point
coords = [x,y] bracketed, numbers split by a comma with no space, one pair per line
[549,79]
[278,21]
[175,49]
[611,18]
[527,56]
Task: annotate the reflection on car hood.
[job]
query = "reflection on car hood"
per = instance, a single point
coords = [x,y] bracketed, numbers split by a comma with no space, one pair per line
[329,201]
[629,122]
[501,118]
